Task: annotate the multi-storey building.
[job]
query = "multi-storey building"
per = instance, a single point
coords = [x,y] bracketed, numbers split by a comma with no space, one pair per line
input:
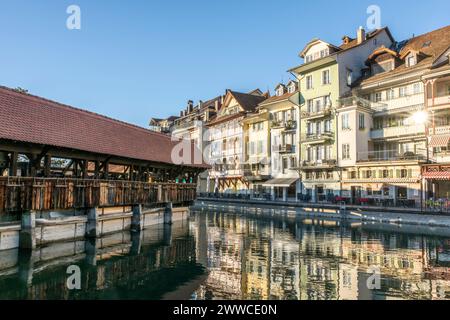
[436,176]
[327,74]
[226,142]
[382,131]
[283,114]
[257,166]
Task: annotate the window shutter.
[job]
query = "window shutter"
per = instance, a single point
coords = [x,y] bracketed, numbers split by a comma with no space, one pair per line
[410,174]
[399,173]
[391,173]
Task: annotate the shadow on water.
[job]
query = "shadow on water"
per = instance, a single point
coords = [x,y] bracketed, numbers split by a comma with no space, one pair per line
[231,252]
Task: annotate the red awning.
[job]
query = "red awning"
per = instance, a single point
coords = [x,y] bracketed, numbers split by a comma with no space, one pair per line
[438,175]
[440,141]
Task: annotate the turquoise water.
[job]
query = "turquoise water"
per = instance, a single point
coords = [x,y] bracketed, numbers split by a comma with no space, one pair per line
[240,255]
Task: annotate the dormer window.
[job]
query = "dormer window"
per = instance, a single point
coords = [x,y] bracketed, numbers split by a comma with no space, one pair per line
[411,60]
[280,91]
[382,67]
[291,88]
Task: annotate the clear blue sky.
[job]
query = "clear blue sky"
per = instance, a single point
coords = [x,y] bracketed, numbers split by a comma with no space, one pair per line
[136,59]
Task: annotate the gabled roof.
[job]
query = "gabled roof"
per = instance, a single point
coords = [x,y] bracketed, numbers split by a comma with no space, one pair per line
[312,43]
[381,50]
[274,99]
[31,119]
[248,102]
[354,42]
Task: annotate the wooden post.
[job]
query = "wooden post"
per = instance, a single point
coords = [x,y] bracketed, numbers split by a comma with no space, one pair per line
[92,227]
[137,219]
[27,237]
[47,165]
[13,164]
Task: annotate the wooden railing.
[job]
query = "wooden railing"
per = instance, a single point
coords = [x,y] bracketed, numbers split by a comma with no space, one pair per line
[40,194]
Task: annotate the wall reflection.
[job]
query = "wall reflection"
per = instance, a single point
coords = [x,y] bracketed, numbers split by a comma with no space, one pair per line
[283,258]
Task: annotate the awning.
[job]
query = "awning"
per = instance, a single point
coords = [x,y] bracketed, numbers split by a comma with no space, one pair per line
[440,141]
[282,183]
[437,175]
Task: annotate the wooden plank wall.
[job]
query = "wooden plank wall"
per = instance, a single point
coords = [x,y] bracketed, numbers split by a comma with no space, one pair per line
[40,194]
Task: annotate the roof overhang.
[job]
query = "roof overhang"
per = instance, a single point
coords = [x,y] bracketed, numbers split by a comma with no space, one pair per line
[320,63]
[282,183]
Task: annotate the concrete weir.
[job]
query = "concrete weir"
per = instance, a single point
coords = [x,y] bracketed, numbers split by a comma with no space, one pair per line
[45,228]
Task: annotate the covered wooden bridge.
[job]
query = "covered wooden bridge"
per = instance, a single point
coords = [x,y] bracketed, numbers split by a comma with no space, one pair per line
[53,156]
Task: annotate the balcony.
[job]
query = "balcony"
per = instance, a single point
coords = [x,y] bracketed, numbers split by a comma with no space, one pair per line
[439,101]
[411,102]
[287,148]
[317,113]
[317,138]
[319,164]
[398,132]
[256,172]
[186,125]
[391,155]
[286,125]
[439,130]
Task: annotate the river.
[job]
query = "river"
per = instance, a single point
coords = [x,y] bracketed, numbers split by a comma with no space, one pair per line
[240,255]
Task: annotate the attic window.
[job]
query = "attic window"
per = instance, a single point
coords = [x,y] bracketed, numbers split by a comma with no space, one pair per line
[291,88]
[411,60]
[280,91]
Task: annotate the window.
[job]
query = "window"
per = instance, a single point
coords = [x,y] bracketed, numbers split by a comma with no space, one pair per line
[390,94]
[349,77]
[377,97]
[310,128]
[310,104]
[309,82]
[403,91]
[327,125]
[280,91]
[362,121]
[252,148]
[326,77]
[291,88]
[417,88]
[369,191]
[285,165]
[411,61]
[345,122]
[260,147]
[327,101]
[345,152]
[308,58]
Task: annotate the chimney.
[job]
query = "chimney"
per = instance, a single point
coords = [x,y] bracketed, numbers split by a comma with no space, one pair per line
[216,105]
[190,106]
[181,114]
[361,35]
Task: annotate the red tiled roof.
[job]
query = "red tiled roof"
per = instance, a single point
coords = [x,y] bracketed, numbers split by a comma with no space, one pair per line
[32,119]
[277,98]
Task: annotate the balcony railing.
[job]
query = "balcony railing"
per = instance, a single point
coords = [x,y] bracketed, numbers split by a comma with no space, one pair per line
[415,101]
[317,137]
[400,131]
[317,113]
[186,125]
[328,163]
[439,101]
[287,148]
[440,130]
[288,125]
[391,155]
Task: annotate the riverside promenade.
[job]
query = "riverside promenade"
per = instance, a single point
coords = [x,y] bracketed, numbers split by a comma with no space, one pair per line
[386,215]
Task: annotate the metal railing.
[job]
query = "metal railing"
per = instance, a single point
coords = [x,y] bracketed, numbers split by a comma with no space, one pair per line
[21,194]
[391,155]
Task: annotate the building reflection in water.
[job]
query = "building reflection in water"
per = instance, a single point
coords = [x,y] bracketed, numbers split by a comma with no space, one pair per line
[244,254]
[288,258]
